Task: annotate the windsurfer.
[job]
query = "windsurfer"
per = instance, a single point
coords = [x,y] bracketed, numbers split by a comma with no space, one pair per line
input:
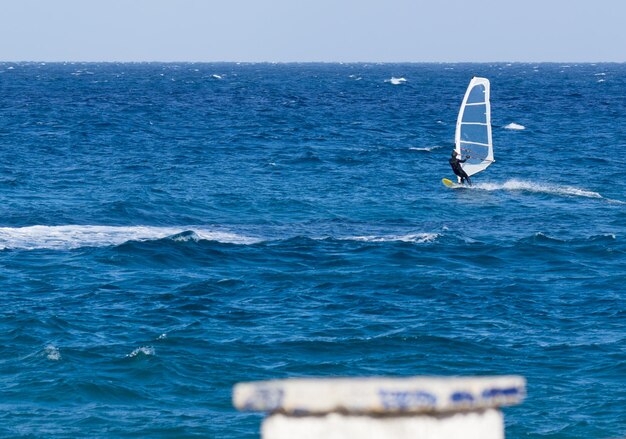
[455,163]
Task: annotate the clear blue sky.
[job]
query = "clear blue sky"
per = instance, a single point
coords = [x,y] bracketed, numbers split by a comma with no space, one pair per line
[313,30]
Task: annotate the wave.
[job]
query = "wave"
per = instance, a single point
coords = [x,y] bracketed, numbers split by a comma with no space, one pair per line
[52,353]
[514,126]
[396,81]
[606,242]
[76,236]
[419,238]
[426,148]
[70,237]
[529,186]
[144,350]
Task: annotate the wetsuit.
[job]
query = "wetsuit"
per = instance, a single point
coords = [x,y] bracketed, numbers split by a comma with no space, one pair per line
[456,167]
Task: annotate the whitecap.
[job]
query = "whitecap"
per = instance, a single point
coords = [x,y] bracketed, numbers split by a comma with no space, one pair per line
[615,201]
[600,80]
[185,237]
[396,81]
[52,353]
[216,76]
[419,238]
[144,350]
[514,126]
[600,74]
[426,148]
[76,236]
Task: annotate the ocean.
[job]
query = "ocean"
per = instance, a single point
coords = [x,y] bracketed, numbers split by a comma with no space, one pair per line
[169,230]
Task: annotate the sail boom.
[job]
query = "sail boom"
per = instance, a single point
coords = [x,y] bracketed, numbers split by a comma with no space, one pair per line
[474,143]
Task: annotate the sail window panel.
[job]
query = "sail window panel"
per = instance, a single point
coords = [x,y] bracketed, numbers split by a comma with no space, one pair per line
[477,153]
[477,94]
[475,114]
[474,133]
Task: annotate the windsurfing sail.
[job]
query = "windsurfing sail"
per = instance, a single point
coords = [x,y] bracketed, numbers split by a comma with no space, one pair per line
[473,127]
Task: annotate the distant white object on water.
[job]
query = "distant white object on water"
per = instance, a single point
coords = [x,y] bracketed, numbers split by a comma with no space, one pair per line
[396,81]
[514,126]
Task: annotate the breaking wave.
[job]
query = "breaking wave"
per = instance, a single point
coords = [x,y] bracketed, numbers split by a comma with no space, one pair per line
[426,148]
[144,350]
[514,126]
[76,236]
[52,353]
[413,237]
[396,81]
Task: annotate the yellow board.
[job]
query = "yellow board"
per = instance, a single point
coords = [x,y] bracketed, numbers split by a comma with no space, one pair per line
[451,184]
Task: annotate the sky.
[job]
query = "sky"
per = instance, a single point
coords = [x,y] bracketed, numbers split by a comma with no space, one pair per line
[314,30]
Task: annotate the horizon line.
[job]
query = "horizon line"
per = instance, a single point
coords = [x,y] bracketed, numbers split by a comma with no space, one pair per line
[295,62]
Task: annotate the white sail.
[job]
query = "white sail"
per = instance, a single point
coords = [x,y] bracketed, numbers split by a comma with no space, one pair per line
[473,127]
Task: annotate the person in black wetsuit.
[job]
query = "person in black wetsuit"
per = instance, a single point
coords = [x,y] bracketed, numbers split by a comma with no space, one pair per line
[455,163]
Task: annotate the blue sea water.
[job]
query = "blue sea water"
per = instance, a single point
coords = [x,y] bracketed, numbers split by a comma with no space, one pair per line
[169,230]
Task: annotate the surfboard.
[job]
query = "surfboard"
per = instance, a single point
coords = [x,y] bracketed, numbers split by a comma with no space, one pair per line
[452,185]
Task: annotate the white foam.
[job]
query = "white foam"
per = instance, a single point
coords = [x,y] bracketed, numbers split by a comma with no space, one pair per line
[216,76]
[52,353]
[144,350]
[528,186]
[186,237]
[600,80]
[426,148]
[77,236]
[419,238]
[514,126]
[396,81]
[599,74]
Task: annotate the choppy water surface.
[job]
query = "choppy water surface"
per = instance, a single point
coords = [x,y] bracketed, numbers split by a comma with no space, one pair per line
[170,230]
